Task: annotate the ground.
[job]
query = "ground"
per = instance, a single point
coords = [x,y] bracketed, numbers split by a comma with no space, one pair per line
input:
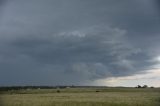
[81,97]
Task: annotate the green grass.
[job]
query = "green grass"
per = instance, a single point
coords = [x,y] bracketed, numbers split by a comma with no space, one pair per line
[82,97]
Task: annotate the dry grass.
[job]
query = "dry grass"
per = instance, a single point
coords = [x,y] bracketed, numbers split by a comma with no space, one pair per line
[82,97]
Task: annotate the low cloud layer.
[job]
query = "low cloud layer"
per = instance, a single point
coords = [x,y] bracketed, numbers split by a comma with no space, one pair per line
[83,55]
[61,43]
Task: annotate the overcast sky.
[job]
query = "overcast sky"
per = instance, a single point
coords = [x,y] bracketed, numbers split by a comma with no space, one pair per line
[80,42]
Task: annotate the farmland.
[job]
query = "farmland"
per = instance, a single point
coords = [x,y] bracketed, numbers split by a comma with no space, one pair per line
[81,97]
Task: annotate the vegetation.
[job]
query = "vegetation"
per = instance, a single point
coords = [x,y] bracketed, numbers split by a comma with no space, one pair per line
[87,96]
[144,86]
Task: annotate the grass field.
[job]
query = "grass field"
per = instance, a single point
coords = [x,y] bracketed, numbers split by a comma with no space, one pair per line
[82,97]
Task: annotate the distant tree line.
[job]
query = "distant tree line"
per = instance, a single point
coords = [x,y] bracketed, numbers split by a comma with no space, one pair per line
[29,87]
[144,86]
[8,88]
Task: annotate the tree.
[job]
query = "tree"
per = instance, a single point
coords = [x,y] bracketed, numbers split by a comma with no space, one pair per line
[152,87]
[138,86]
[145,86]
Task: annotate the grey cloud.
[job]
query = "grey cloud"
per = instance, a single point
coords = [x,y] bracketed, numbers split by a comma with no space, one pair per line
[1,2]
[82,55]
[75,41]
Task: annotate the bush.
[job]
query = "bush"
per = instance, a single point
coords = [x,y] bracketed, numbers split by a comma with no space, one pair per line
[58,91]
[145,86]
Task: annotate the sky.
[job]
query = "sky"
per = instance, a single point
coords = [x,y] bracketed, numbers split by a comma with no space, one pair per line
[80,42]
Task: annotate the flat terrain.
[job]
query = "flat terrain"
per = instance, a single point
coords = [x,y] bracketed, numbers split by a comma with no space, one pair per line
[82,97]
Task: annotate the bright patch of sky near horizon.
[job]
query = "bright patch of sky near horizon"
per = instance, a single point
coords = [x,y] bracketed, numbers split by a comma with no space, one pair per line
[151,78]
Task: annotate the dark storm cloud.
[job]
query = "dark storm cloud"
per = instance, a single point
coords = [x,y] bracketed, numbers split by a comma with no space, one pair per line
[2,2]
[157,2]
[89,54]
[73,41]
